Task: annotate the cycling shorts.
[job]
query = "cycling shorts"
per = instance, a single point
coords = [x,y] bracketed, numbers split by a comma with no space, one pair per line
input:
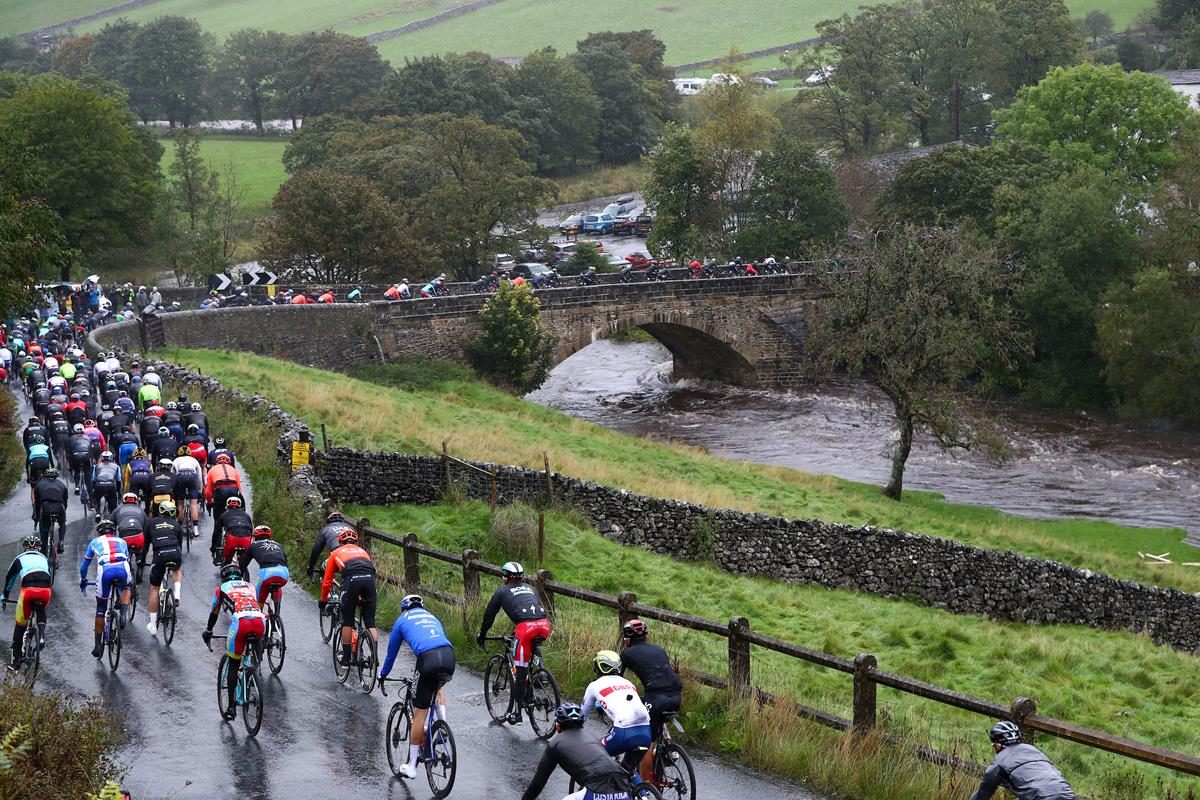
[136,542]
[117,574]
[158,571]
[29,596]
[271,580]
[660,705]
[435,668]
[140,483]
[243,626]
[233,542]
[36,467]
[187,486]
[622,740]
[358,590]
[526,632]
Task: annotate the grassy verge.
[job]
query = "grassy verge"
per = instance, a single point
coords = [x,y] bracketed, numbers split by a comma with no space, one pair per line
[12,456]
[414,407]
[601,182]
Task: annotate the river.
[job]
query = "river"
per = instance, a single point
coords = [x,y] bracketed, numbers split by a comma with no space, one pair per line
[1061,464]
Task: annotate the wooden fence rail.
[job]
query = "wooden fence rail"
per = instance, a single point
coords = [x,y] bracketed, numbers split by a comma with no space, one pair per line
[867,676]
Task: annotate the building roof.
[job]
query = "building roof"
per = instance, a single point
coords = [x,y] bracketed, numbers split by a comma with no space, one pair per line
[1179,77]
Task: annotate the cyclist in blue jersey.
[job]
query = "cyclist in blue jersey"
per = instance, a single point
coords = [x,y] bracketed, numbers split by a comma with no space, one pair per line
[112,570]
[30,574]
[435,666]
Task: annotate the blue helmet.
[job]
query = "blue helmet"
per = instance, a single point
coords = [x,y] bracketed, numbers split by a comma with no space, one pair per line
[569,715]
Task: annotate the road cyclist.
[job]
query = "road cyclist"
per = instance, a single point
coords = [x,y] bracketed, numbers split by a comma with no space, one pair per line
[30,574]
[612,694]
[166,540]
[358,591]
[1020,768]
[243,639]
[524,608]
[273,575]
[662,691]
[113,574]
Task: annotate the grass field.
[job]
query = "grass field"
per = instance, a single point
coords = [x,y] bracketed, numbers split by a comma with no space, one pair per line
[256,163]
[422,404]
[693,29]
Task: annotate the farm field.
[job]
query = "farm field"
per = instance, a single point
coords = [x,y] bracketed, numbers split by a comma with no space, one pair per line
[256,162]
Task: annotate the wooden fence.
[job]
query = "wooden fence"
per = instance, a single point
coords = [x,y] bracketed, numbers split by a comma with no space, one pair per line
[864,671]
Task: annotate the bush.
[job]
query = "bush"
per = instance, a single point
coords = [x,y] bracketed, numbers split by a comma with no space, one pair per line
[514,531]
[586,255]
[513,351]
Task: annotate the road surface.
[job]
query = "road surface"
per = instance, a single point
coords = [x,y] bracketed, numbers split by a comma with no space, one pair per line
[318,739]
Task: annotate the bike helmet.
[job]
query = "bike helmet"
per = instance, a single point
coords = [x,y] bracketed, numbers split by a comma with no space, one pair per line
[34,421]
[106,527]
[165,463]
[411,601]
[634,629]
[569,715]
[167,508]
[85,393]
[348,536]
[223,459]
[606,662]
[163,433]
[50,472]
[31,543]
[231,572]
[129,498]
[78,428]
[219,442]
[193,428]
[1005,733]
[181,451]
[172,405]
[336,516]
[183,401]
[106,456]
[149,369]
[74,396]
[512,571]
[262,532]
[233,502]
[195,406]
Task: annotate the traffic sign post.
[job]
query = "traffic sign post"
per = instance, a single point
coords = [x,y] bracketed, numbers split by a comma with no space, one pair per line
[301,455]
[219,282]
[256,276]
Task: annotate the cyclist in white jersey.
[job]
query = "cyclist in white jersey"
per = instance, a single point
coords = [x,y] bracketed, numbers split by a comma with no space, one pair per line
[618,699]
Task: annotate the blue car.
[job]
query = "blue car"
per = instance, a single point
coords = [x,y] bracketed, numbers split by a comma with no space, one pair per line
[599,223]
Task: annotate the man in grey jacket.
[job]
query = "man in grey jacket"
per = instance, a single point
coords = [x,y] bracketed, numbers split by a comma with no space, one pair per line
[1021,769]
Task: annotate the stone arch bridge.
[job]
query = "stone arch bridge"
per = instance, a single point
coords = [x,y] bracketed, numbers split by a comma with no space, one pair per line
[744,331]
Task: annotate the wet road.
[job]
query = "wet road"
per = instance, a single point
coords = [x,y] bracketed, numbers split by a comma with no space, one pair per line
[319,739]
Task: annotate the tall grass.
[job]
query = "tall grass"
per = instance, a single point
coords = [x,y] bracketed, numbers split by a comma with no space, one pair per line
[601,182]
[12,455]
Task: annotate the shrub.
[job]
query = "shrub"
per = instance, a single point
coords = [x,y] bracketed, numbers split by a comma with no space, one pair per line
[514,531]
[586,255]
[513,351]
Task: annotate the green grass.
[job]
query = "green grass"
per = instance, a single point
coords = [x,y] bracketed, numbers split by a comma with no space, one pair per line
[601,182]
[257,163]
[12,455]
[413,407]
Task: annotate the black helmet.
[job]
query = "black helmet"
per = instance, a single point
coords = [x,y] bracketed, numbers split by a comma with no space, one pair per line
[219,441]
[106,527]
[1005,733]
[231,572]
[569,715]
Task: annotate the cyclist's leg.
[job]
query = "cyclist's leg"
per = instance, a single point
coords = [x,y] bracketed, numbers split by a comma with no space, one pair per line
[350,591]
[157,573]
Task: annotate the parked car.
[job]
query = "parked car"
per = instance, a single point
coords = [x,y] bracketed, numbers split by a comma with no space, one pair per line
[533,254]
[571,225]
[615,262]
[503,262]
[622,205]
[596,243]
[531,271]
[643,224]
[598,223]
[639,260]
[626,224]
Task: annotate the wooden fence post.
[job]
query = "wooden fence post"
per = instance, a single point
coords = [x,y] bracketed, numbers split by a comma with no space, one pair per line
[625,604]
[739,657]
[324,439]
[549,483]
[412,564]
[1021,709]
[360,527]
[544,575]
[864,693]
[470,585]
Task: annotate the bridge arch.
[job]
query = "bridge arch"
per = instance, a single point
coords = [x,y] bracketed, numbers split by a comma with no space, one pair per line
[697,349]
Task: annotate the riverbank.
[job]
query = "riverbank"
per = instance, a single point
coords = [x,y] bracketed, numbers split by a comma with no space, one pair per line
[415,407]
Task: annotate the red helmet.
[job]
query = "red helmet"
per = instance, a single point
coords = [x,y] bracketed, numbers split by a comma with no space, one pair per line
[348,536]
[262,532]
[223,459]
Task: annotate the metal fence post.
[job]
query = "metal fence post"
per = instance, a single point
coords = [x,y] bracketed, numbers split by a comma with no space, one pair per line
[864,693]
[739,657]
[412,564]
[1021,709]
[544,575]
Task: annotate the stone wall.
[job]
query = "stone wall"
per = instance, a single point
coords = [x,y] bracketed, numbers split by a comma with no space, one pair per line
[935,572]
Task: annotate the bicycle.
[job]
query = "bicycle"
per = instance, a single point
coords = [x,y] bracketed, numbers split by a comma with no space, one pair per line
[276,641]
[31,647]
[542,697]
[247,694]
[364,660]
[111,637]
[46,532]
[673,774]
[638,789]
[440,755]
[331,613]
[166,604]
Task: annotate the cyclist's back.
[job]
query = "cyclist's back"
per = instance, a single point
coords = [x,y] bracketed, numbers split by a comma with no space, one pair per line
[1026,772]
[585,760]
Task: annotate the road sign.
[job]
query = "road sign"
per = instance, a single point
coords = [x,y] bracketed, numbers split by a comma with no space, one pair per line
[259,277]
[219,282]
[301,454]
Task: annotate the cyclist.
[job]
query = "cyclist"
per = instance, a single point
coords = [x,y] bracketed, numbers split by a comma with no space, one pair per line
[188,476]
[112,571]
[198,418]
[162,482]
[327,539]
[618,699]
[60,434]
[521,603]
[231,531]
[237,597]
[33,571]
[581,757]
[435,667]
[106,480]
[661,688]
[149,391]
[132,526]
[79,451]
[222,483]
[50,496]
[1021,769]
[166,537]
[163,446]
[38,458]
[272,565]
[219,449]
[358,587]
[139,475]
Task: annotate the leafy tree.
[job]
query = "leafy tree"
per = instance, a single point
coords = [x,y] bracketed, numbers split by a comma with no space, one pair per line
[17,55]
[648,52]
[311,146]
[560,111]
[466,84]
[915,317]
[322,73]
[112,56]
[1183,50]
[965,48]
[586,255]
[247,67]
[513,350]
[628,123]
[73,55]
[794,202]
[682,189]
[1172,13]
[1097,25]
[1135,55]
[171,60]
[1035,35]
[96,172]
[1100,116]
[334,228]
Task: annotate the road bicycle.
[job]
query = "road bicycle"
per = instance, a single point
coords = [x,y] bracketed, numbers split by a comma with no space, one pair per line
[31,647]
[331,612]
[363,657]
[111,636]
[439,754]
[673,774]
[166,603]
[638,789]
[499,679]
[248,692]
[276,641]
[46,532]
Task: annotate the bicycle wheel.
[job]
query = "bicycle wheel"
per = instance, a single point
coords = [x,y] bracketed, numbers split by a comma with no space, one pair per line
[113,623]
[327,625]
[166,614]
[223,687]
[368,660]
[252,710]
[543,700]
[340,672]
[443,759]
[133,604]
[399,725]
[276,643]
[32,656]
[673,772]
[497,687]
[644,791]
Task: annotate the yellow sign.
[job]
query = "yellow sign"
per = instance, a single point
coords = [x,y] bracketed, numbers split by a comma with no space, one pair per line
[301,454]
[271,290]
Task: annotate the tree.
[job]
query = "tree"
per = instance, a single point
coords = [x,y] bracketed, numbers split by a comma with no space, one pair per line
[323,73]
[513,350]
[916,316]
[560,110]
[1097,25]
[73,56]
[965,48]
[112,57]
[648,52]
[1135,55]
[95,170]
[313,145]
[171,60]
[334,228]
[1035,35]
[628,123]
[466,84]
[1172,13]
[794,203]
[247,69]
[1100,116]
[682,188]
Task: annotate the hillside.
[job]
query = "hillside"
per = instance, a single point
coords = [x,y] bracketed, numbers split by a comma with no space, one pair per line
[692,29]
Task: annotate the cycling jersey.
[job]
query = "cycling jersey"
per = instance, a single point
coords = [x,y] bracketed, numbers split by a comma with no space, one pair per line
[34,434]
[106,475]
[112,567]
[50,494]
[652,666]
[420,629]
[166,537]
[163,447]
[149,391]
[327,539]
[221,476]
[520,602]
[29,568]
[221,451]
[585,760]
[618,699]
[40,453]
[238,598]
[349,559]
[1026,772]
